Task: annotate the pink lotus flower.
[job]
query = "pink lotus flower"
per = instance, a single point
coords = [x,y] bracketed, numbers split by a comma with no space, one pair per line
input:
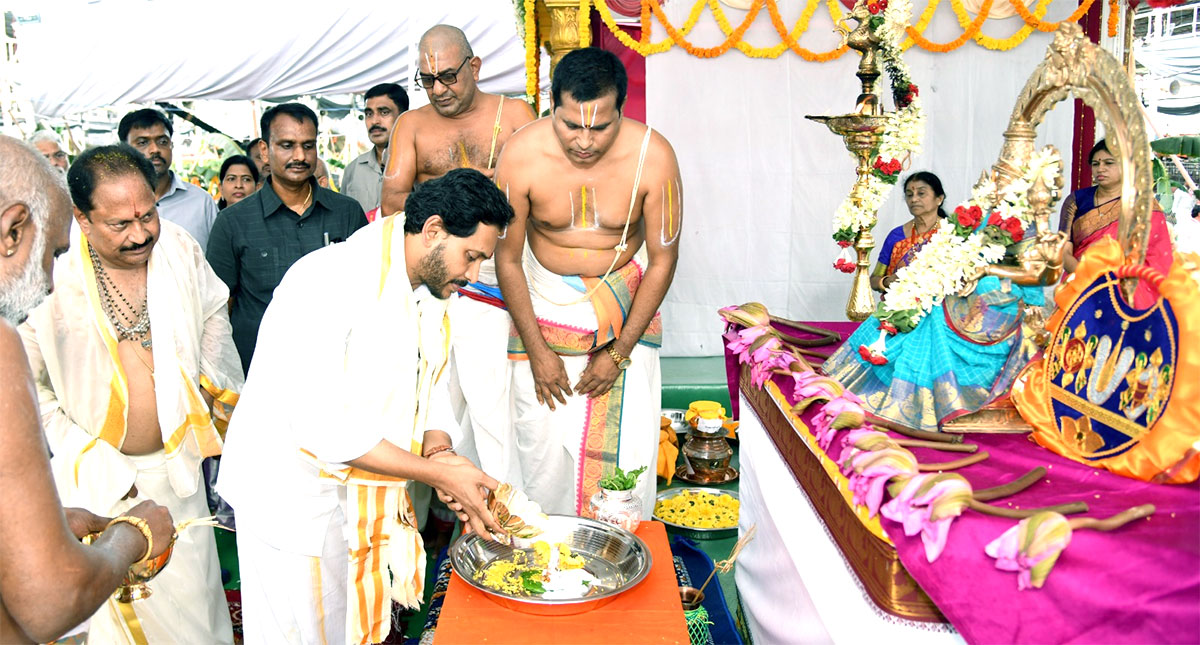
[862,440]
[1031,547]
[927,504]
[837,414]
[739,341]
[873,469]
[811,388]
[764,360]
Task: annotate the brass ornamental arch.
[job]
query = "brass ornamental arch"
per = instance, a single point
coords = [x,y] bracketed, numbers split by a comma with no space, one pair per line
[1076,66]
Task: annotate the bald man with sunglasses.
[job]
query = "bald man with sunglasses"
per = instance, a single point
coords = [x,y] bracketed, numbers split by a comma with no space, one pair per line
[463,127]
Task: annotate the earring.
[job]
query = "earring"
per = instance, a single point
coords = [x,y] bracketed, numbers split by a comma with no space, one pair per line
[9,253]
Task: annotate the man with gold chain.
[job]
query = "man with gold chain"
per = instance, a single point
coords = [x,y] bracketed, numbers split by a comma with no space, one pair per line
[254,241]
[463,127]
[583,269]
[346,406]
[133,359]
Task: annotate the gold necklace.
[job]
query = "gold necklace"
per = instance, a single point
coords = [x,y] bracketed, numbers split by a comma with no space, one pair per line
[304,204]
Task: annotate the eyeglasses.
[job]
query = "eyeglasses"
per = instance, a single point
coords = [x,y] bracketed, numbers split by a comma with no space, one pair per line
[445,78]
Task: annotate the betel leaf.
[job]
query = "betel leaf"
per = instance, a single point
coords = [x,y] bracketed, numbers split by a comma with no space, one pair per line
[621,480]
[531,582]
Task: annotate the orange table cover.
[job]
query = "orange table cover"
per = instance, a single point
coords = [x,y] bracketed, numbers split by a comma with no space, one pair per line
[651,612]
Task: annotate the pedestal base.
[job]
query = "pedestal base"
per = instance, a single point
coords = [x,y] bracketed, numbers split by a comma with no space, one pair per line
[1000,417]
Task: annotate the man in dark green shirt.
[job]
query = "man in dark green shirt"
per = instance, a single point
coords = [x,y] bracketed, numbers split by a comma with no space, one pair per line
[255,241]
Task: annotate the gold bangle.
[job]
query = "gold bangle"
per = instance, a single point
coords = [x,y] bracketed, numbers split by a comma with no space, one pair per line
[140,525]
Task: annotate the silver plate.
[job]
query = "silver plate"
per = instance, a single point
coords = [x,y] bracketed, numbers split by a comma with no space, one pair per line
[618,558]
[691,531]
[677,416]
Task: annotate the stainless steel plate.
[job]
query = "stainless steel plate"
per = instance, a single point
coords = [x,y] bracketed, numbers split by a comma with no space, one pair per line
[618,558]
[691,531]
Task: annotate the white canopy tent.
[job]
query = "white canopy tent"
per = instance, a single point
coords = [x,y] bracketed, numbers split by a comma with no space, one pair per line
[78,55]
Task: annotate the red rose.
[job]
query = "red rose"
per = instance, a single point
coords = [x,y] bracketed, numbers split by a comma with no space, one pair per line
[994,219]
[879,163]
[873,8]
[1014,228]
[912,89]
[882,4]
[888,327]
[894,166]
[968,217]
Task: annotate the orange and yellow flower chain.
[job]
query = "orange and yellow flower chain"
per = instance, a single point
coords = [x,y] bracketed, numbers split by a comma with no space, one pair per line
[677,36]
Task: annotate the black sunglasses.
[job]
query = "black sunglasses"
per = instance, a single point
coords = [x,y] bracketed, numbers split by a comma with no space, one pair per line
[445,78]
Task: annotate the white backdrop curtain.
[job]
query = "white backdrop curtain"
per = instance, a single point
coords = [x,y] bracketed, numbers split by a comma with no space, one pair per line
[761,183]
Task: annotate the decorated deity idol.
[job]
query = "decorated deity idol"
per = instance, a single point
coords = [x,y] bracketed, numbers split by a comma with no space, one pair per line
[952,332]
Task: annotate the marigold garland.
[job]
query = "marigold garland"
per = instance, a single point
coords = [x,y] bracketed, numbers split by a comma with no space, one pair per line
[789,38]
[585,23]
[1033,20]
[532,55]
[706,52]
[922,23]
[992,43]
[963,38]
[791,41]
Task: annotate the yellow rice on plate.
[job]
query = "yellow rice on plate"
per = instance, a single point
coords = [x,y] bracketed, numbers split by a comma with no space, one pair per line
[699,510]
[504,575]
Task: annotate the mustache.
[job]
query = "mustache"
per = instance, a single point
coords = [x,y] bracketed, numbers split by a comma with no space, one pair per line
[299,165]
[377,128]
[138,247]
[156,157]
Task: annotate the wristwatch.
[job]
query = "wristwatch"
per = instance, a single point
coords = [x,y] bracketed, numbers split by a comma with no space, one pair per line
[622,362]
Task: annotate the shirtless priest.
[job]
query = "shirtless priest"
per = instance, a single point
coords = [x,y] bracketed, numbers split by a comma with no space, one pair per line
[463,127]
[583,268]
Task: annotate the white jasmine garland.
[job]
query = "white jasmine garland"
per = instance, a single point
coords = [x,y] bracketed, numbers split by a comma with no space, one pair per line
[902,134]
[944,264]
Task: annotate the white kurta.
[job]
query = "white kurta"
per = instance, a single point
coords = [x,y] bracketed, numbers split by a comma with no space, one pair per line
[81,389]
[341,354]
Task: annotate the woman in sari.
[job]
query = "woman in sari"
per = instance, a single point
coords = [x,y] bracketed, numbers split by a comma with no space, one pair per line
[1093,213]
[963,354]
[924,196]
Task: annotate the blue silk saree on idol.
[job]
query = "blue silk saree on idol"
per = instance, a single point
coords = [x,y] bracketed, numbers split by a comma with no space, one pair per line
[964,354]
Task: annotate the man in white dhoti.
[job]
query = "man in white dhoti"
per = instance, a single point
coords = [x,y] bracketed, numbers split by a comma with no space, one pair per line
[599,200]
[49,582]
[133,357]
[463,127]
[346,404]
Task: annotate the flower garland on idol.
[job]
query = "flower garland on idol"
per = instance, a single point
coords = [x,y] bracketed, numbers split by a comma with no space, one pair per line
[959,248]
[886,478]
[901,136]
